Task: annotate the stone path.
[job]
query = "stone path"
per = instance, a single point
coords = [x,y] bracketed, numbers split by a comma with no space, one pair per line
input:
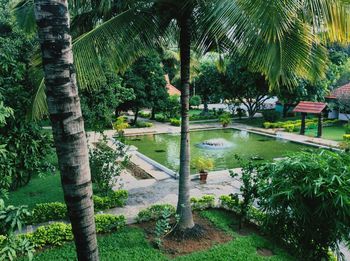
[144,193]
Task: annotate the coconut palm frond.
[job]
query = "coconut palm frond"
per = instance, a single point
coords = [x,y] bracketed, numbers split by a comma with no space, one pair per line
[23,11]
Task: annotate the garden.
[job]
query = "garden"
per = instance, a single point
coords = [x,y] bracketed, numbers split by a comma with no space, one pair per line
[156,130]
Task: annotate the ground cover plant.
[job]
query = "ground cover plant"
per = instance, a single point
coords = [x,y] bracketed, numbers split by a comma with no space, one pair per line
[131,244]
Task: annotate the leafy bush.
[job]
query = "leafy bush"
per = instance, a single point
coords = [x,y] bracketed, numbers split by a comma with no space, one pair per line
[143,124]
[346,137]
[48,211]
[113,199]
[306,201]
[144,114]
[175,122]
[199,117]
[56,234]
[230,202]
[153,212]
[106,223]
[195,100]
[203,164]
[163,227]
[104,166]
[160,118]
[271,115]
[12,247]
[289,127]
[347,128]
[207,201]
[12,218]
[225,119]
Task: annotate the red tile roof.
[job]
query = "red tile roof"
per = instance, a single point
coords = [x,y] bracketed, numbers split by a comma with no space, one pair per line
[171,88]
[310,107]
[345,89]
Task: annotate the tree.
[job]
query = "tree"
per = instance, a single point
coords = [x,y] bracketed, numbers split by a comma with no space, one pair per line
[52,19]
[99,106]
[209,83]
[146,78]
[195,101]
[249,88]
[343,102]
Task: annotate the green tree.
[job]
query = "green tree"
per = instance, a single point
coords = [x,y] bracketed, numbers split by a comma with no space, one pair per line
[249,88]
[99,106]
[146,78]
[209,84]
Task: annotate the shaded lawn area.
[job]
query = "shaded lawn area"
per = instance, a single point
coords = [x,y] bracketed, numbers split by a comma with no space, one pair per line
[130,244]
[335,132]
[41,189]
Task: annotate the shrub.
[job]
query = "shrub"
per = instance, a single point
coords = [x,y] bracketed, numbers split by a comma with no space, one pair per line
[207,201]
[289,127]
[104,166]
[48,211]
[106,223]
[12,247]
[175,122]
[160,118]
[306,201]
[203,164]
[195,100]
[271,115]
[144,114]
[57,234]
[225,119]
[153,212]
[54,234]
[113,199]
[346,137]
[143,124]
[230,202]
[12,218]
[347,128]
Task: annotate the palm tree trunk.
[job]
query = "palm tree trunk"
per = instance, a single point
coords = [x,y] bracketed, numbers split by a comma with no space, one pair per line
[184,204]
[52,19]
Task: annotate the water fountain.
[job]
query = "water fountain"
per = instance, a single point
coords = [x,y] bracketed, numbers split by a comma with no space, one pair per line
[218,143]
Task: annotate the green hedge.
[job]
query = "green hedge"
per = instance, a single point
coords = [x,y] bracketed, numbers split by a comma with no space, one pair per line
[198,117]
[207,201]
[57,234]
[291,126]
[175,122]
[143,124]
[346,137]
[56,210]
[153,212]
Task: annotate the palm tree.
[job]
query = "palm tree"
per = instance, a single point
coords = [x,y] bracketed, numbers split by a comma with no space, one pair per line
[281,39]
[52,18]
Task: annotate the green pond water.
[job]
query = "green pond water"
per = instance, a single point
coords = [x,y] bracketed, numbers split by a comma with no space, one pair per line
[165,148]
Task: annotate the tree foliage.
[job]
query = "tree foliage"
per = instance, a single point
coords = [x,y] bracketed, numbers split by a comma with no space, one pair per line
[306,198]
[249,88]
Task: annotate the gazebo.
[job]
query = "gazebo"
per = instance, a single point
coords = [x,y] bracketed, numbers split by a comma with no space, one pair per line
[306,107]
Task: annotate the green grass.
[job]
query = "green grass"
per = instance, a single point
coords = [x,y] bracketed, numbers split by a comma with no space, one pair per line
[335,132]
[41,189]
[130,244]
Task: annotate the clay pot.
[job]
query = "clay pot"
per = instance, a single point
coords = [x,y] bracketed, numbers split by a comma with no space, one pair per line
[203,177]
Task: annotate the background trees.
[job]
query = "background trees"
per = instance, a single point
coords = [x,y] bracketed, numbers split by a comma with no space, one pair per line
[146,78]
[250,89]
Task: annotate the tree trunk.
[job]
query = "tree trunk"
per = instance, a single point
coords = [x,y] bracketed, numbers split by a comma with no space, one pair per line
[52,19]
[153,114]
[302,127]
[205,109]
[136,115]
[285,110]
[184,204]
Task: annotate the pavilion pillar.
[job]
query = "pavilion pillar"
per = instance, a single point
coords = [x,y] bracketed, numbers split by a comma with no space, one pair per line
[319,129]
[302,127]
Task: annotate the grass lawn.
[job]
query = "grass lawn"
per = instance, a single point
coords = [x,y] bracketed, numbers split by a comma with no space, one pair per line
[130,244]
[335,132]
[41,189]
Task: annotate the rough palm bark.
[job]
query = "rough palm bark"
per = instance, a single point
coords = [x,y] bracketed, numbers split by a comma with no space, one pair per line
[184,204]
[52,19]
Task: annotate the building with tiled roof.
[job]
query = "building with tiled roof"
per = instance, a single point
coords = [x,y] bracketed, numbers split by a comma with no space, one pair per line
[172,90]
[333,96]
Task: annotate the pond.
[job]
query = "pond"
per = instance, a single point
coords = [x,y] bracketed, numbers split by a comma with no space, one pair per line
[219,145]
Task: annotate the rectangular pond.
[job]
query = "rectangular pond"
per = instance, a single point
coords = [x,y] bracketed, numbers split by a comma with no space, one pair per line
[220,145]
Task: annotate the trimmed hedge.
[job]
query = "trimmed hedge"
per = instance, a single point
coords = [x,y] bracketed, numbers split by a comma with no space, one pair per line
[143,124]
[57,234]
[56,210]
[153,212]
[207,201]
[346,137]
[291,126]
[175,122]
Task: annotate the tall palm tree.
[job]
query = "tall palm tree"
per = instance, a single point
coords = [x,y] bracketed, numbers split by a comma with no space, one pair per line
[281,39]
[52,19]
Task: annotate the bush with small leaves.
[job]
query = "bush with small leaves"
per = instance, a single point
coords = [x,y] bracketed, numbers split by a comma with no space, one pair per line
[153,212]
[207,201]
[175,122]
[48,211]
[106,223]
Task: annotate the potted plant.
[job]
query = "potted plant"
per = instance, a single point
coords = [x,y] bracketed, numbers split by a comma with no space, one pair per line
[225,119]
[203,165]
